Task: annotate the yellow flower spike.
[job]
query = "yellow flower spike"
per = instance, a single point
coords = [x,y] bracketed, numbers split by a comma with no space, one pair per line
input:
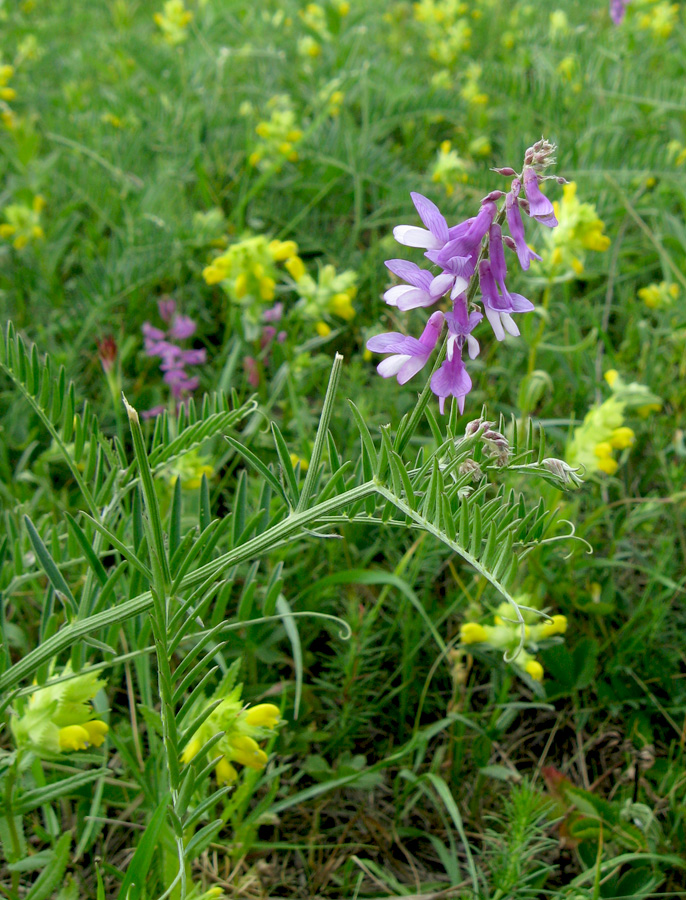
[213,274]
[20,242]
[8,94]
[534,669]
[254,158]
[264,715]
[611,376]
[190,750]
[295,268]
[97,731]
[225,772]
[295,459]
[557,626]
[74,737]
[262,129]
[473,633]
[282,250]
[608,465]
[322,329]
[603,449]
[240,286]
[7,230]
[6,72]
[621,438]
[246,751]
[267,288]
[343,8]
[38,203]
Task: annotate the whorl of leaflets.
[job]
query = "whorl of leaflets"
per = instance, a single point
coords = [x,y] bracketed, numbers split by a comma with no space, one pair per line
[471,269]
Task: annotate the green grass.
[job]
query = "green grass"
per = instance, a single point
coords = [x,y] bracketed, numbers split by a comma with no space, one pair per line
[412,767]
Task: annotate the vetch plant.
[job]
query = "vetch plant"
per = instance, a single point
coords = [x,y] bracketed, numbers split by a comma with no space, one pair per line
[471,263]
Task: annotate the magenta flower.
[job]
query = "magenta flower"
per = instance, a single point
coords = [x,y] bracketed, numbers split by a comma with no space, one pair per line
[540,208]
[516,226]
[618,10]
[499,309]
[167,308]
[434,236]
[182,327]
[173,358]
[275,314]
[451,380]
[409,355]
[460,325]
[418,290]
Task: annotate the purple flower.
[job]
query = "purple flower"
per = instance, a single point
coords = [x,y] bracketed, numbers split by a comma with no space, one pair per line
[417,292]
[458,257]
[618,10]
[540,208]
[434,236]
[167,308]
[274,314]
[154,411]
[182,327]
[499,309]
[451,380]
[409,355]
[460,325]
[516,226]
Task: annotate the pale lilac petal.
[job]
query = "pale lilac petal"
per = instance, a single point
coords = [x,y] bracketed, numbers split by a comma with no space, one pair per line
[452,379]
[182,327]
[459,286]
[509,324]
[415,300]
[410,272]
[392,294]
[494,318]
[432,330]
[441,284]
[431,216]
[472,346]
[413,365]
[392,365]
[152,333]
[411,236]
[274,314]
[393,342]
[167,308]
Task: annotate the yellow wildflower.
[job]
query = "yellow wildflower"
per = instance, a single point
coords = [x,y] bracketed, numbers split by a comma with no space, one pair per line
[189,468]
[59,715]
[295,459]
[22,225]
[449,169]
[173,22]
[535,669]
[658,296]
[579,229]
[279,135]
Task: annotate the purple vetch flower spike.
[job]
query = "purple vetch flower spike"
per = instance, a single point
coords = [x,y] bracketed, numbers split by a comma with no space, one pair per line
[540,208]
[433,236]
[460,325]
[417,292]
[409,355]
[182,327]
[618,10]
[499,309]
[275,314]
[167,308]
[451,380]
[516,226]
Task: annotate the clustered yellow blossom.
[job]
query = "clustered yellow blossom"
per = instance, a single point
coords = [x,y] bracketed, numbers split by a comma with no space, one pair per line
[279,135]
[248,269]
[331,98]
[470,91]
[505,635]
[603,430]
[446,28]
[189,468]
[659,19]
[676,153]
[23,223]
[173,22]
[579,230]
[243,727]
[659,296]
[7,94]
[449,169]
[330,295]
[59,716]
[559,24]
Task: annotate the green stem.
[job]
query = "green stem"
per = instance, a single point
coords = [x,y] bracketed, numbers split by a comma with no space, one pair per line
[538,337]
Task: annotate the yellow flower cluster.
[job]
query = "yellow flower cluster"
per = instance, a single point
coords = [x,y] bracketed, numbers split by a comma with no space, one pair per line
[505,635]
[470,91]
[330,295]
[446,29]
[579,230]
[331,98]
[559,24]
[279,135]
[173,22]
[248,269]
[243,726]
[603,430]
[59,716]
[659,296]
[449,169]
[659,19]
[676,153]
[189,468]
[7,94]
[22,225]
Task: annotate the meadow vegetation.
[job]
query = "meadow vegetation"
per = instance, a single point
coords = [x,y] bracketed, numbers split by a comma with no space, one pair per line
[273,625]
